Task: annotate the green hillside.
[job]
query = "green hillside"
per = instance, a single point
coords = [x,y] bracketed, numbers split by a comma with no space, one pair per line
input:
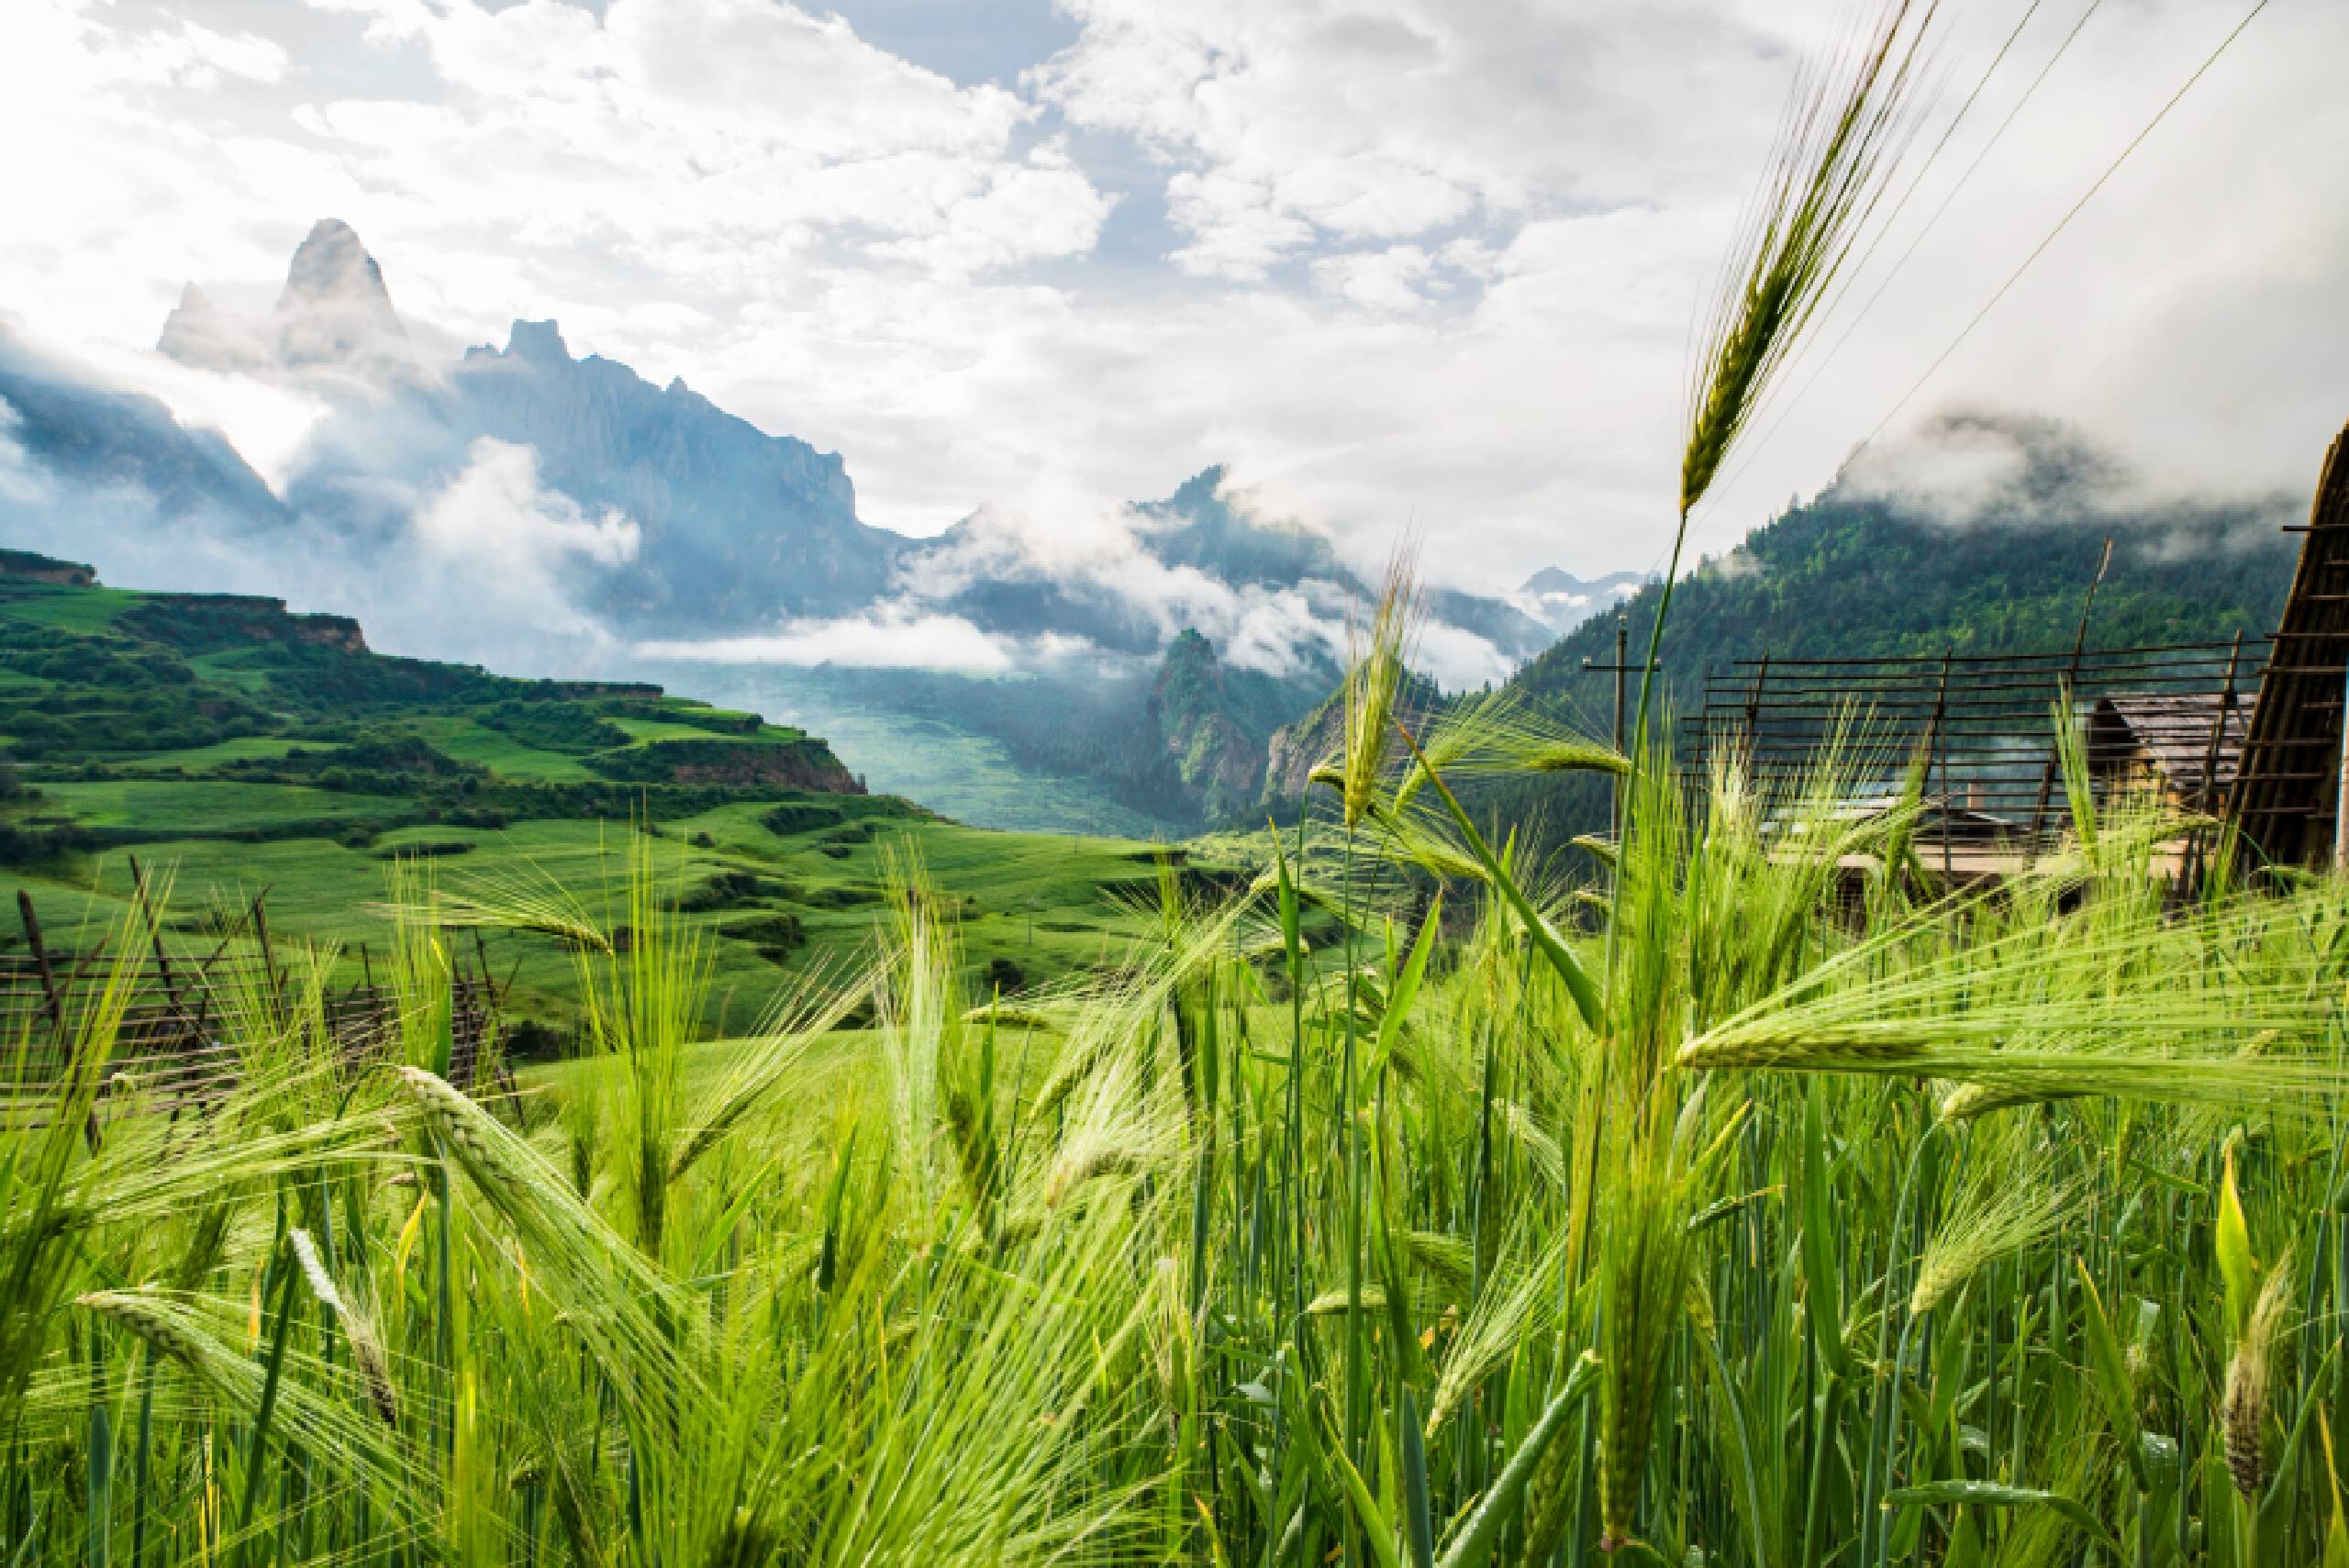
[1846,577]
[234,748]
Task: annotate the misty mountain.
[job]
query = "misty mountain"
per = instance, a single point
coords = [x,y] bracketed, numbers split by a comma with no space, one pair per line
[334,311]
[1561,601]
[1196,557]
[541,507]
[1899,558]
[66,443]
[738,527]
[1201,526]
[712,528]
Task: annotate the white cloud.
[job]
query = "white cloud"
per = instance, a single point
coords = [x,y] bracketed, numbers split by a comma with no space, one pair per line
[890,636]
[1459,658]
[1054,530]
[1968,467]
[21,483]
[184,54]
[1392,279]
[494,528]
[1401,263]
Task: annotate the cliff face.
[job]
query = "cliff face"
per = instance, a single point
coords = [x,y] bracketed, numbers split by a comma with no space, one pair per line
[204,623]
[25,565]
[738,525]
[1190,713]
[801,764]
[1296,749]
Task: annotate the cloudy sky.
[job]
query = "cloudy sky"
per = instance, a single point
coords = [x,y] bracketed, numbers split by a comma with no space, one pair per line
[1397,262]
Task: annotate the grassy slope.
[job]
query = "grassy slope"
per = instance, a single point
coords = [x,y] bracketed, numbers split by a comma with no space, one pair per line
[316,804]
[1046,905]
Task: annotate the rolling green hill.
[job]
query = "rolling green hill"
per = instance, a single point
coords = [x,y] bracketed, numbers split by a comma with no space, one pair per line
[234,748]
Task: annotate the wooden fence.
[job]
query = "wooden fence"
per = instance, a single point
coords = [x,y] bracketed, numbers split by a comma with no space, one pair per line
[2170,718]
[179,999]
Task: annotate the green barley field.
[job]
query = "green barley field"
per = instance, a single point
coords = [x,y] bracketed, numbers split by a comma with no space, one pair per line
[1364,1193]
[1788,1216]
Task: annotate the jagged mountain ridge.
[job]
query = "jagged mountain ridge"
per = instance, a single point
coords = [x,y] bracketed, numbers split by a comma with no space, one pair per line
[71,433]
[1219,622]
[738,528]
[741,527]
[1561,601]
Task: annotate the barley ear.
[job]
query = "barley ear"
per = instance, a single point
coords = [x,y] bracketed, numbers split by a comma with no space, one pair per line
[1842,137]
[2243,1410]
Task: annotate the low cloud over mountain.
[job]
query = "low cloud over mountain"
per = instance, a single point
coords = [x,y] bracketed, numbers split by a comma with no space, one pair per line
[598,512]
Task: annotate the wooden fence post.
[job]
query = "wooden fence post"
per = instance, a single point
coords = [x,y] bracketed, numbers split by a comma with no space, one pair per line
[1941,747]
[268,962]
[50,1000]
[56,1006]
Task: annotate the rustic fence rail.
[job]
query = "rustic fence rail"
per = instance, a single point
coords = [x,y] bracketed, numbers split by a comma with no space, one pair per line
[2168,717]
[181,996]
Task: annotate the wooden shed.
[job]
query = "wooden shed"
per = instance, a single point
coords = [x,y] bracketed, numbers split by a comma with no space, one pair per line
[2187,746]
[2288,796]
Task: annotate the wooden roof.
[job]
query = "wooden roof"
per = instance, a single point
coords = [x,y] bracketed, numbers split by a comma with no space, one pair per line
[2194,738]
[2287,796]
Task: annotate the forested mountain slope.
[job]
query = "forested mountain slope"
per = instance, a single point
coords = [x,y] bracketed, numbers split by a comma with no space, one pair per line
[1853,573]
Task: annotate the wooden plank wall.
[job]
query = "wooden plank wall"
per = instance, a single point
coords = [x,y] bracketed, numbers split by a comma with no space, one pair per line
[2287,795]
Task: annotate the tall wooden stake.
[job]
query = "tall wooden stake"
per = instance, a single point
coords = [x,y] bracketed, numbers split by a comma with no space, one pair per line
[56,1004]
[2071,685]
[1941,745]
[2341,790]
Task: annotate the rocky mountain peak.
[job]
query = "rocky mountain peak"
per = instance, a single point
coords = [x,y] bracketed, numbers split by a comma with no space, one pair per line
[539,342]
[1189,708]
[1561,601]
[199,332]
[335,309]
[332,263]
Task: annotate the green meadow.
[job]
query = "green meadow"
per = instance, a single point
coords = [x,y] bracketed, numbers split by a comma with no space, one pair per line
[237,753]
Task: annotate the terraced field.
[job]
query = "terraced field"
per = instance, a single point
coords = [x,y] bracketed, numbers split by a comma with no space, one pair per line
[239,752]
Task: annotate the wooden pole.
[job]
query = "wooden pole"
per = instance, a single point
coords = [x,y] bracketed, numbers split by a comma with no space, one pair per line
[54,1006]
[162,954]
[56,1003]
[1614,783]
[1622,650]
[2340,786]
[1753,714]
[2209,799]
[154,929]
[2071,685]
[268,963]
[1941,746]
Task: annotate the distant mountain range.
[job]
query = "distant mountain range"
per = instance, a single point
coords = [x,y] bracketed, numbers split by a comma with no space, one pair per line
[1205,636]
[1188,629]
[1561,601]
[733,530]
